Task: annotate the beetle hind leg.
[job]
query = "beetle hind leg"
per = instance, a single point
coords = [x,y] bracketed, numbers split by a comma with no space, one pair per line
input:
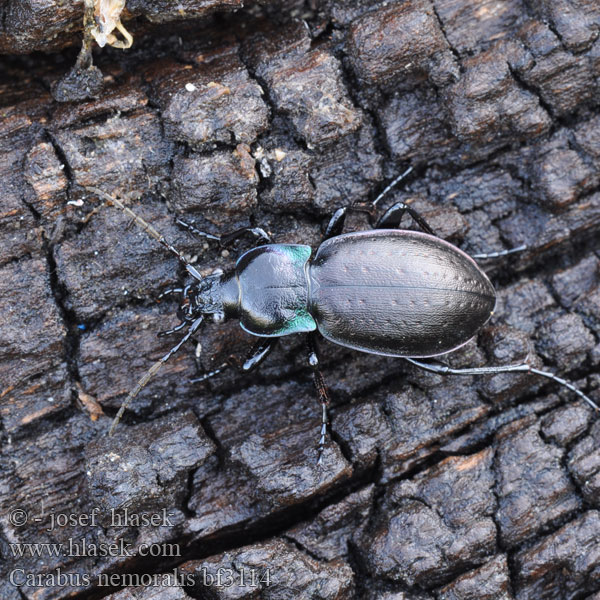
[210,374]
[523,368]
[499,253]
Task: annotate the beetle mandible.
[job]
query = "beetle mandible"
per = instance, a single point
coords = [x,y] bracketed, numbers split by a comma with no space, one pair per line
[386,291]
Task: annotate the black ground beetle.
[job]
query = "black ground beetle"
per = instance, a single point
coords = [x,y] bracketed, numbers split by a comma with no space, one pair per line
[386,291]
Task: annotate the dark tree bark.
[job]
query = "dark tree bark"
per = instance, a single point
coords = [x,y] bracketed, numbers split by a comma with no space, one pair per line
[274,116]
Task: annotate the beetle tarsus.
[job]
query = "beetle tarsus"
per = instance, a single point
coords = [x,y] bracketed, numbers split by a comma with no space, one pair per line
[191,227]
[320,458]
[170,292]
[500,253]
[210,374]
[226,238]
[567,384]
[391,185]
[321,447]
[179,327]
[313,361]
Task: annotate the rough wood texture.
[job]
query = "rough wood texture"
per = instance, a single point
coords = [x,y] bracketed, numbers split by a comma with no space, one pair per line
[433,488]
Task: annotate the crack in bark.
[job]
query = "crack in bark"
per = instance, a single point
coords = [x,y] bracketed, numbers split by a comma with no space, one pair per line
[442,27]
[532,89]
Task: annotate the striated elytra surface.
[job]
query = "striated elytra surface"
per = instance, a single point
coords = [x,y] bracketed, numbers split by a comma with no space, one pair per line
[398,293]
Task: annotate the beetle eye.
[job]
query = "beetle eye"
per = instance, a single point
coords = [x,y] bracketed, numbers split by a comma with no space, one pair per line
[218,317]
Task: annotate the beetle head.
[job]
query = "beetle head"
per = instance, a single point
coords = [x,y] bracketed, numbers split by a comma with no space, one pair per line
[205,296]
[212,295]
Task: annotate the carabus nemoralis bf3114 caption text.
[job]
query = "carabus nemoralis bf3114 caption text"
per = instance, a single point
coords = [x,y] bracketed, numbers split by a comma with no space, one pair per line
[386,291]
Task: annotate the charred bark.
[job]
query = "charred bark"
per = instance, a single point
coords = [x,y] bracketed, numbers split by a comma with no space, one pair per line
[274,116]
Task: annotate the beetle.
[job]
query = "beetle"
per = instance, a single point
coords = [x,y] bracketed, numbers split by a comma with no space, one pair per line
[386,291]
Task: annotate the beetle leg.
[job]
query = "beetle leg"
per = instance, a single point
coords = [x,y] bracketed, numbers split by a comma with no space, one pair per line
[226,238]
[500,253]
[255,357]
[336,223]
[210,374]
[443,369]
[193,229]
[174,330]
[170,291]
[259,233]
[313,361]
[391,185]
[392,218]
[257,354]
[338,220]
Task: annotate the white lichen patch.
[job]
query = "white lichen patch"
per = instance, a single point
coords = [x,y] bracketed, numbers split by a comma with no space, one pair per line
[107,18]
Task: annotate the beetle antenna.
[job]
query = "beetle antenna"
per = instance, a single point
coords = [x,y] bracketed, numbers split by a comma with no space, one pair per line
[443,369]
[391,185]
[147,228]
[152,371]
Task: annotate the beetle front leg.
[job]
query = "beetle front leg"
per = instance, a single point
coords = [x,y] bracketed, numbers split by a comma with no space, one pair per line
[227,238]
[313,361]
[175,329]
[260,234]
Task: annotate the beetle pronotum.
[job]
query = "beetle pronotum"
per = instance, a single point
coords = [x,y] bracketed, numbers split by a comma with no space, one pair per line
[385,291]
